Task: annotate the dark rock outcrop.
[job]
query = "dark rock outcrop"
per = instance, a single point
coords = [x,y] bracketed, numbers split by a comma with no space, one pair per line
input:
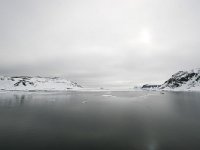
[146,86]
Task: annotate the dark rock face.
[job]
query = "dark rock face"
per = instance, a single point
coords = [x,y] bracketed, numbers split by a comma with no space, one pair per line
[148,86]
[76,84]
[23,82]
[198,78]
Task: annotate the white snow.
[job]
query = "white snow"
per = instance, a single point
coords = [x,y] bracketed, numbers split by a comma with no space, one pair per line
[108,95]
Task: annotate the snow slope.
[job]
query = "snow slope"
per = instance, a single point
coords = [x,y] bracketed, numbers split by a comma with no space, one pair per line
[26,83]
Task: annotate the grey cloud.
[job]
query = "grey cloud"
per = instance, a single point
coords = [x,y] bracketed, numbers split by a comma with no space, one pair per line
[99,43]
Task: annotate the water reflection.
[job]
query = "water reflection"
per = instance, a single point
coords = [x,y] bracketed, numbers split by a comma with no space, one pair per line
[12,100]
[88,120]
[185,104]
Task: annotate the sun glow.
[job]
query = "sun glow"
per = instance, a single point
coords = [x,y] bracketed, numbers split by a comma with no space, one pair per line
[145,37]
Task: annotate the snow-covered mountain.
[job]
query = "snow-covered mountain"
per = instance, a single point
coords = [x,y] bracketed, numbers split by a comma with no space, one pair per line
[183,81]
[27,83]
[180,81]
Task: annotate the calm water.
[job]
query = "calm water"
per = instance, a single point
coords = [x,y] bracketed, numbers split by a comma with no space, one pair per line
[100,121]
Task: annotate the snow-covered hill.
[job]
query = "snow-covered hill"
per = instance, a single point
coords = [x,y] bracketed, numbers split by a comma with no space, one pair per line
[183,81]
[26,83]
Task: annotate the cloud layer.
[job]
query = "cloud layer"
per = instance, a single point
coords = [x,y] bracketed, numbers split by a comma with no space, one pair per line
[99,43]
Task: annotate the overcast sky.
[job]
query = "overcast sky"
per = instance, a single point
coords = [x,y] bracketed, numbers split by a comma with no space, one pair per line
[100,42]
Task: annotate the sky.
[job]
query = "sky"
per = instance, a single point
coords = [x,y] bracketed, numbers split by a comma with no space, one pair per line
[100,43]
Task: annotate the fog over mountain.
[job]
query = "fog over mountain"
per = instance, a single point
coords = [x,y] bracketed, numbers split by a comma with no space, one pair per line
[99,43]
